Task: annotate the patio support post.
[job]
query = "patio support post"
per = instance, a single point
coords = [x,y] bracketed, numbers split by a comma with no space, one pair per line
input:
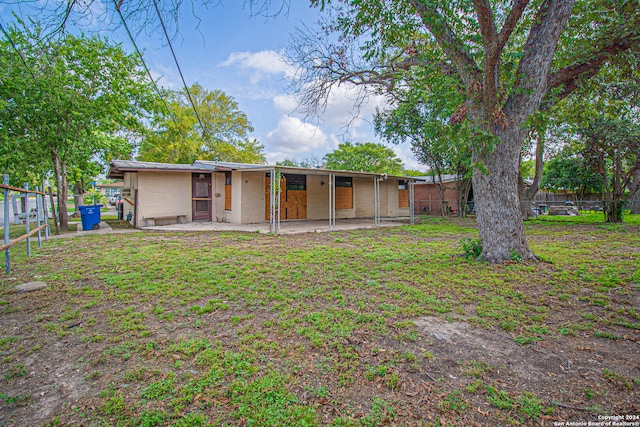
[278,194]
[411,202]
[274,202]
[7,258]
[272,189]
[376,200]
[332,201]
[379,208]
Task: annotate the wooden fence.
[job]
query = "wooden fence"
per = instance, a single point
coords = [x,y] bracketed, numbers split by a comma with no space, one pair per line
[39,216]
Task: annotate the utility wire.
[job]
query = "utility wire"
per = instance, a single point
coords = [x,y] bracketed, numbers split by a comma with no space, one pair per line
[117,4]
[166,34]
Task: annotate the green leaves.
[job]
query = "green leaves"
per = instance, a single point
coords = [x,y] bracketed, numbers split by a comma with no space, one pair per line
[220,131]
[364,157]
[81,96]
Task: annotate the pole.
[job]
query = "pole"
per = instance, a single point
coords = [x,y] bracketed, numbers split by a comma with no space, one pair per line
[279,188]
[411,202]
[332,202]
[38,219]
[26,222]
[272,218]
[47,231]
[7,257]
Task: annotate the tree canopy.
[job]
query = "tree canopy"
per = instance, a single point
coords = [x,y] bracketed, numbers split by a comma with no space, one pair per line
[502,63]
[567,171]
[612,150]
[364,157]
[67,103]
[218,131]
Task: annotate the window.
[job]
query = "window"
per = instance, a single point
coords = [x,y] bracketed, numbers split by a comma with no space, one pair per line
[227,191]
[296,182]
[344,192]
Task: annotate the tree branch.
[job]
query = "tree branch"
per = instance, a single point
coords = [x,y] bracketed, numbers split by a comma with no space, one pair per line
[549,22]
[568,76]
[491,53]
[449,42]
[510,23]
[487,24]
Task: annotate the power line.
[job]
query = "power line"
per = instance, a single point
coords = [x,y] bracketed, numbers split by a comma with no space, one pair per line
[184,83]
[133,41]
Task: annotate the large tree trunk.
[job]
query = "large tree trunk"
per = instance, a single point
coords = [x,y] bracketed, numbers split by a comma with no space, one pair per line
[634,189]
[495,188]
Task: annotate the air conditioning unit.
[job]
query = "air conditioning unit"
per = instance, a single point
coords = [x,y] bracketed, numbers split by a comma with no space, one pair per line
[127,192]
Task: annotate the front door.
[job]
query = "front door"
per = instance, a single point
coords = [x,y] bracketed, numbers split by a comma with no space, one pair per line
[201,196]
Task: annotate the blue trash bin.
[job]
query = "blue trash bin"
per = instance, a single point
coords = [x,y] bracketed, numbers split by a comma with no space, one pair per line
[90,216]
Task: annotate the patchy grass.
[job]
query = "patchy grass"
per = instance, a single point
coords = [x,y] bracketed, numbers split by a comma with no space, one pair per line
[323,329]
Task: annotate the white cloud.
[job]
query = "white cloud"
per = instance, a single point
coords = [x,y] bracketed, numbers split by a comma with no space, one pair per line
[403,151]
[342,105]
[265,61]
[293,136]
[349,109]
[286,104]
[275,157]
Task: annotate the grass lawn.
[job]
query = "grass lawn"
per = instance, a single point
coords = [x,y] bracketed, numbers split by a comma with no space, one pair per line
[359,328]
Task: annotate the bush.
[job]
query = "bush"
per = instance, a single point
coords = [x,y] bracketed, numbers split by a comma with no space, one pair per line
[471,248]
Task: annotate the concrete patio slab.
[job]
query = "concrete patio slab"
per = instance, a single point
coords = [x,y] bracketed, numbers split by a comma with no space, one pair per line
[286,227]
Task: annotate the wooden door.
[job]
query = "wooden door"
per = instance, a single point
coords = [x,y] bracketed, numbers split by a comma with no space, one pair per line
[267,199]
[293,203]
[296,204]
[201,196]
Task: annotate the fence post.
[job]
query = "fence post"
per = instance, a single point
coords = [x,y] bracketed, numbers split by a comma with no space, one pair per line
[45,212]
[7,257]
[38,214]
[26,204]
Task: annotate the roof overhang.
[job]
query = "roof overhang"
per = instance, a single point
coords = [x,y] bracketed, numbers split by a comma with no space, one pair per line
[243,167]
[118,168]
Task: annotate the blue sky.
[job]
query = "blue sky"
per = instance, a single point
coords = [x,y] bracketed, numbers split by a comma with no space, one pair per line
[240,54]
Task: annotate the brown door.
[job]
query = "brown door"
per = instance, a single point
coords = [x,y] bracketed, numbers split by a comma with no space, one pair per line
[293,197]
[201,196]
[267,208]
[296,204]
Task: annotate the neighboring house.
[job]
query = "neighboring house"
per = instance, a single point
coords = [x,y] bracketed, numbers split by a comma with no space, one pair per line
[241,193]
[429,200]
[110,188]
